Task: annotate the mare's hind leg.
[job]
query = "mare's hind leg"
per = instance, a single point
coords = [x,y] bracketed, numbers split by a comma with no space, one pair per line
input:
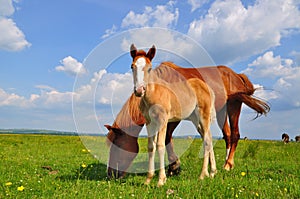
[234,110]
[174,162]
[223,124]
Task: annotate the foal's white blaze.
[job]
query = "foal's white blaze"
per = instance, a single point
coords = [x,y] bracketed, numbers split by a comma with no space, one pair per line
[139,76]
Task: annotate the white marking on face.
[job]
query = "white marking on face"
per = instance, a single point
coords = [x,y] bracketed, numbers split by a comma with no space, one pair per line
[140,64]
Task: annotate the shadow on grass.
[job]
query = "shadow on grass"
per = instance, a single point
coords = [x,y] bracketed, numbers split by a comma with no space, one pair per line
[95,171]
[98,172]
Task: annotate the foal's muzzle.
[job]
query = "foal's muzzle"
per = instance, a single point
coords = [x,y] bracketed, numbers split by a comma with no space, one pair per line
[139,91]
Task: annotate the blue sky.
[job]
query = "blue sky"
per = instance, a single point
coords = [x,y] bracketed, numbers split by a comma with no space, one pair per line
[43,45]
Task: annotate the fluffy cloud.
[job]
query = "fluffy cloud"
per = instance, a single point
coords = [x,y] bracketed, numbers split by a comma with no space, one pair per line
[196,4]
[105,88]
[12,99]
[285,76]
[170,45]
[110,32]
[161,16]
[12,38]
[71,66]
[230,31]
[6,8]
[270,66]
[296,55]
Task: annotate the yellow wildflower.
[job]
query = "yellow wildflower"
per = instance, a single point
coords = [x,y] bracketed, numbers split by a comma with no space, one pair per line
[21,188]
[8,183]
[83,165]
[243,173]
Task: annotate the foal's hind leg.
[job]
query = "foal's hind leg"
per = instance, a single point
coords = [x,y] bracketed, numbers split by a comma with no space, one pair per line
[202,123]
[204,114]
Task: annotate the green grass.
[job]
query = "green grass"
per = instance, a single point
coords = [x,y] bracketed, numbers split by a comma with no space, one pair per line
[271,170]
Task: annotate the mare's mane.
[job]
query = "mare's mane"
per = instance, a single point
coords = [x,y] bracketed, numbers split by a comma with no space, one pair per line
[166,72]
[131,109]
[129,119]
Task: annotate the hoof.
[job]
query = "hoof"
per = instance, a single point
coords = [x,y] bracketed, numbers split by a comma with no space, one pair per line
[213,173]
[147,182]
[174,168]
[161,182]
[227,166]
[203,175]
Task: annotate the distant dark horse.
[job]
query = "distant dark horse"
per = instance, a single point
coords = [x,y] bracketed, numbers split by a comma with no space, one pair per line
[230,92]
[285,138]
[297,138]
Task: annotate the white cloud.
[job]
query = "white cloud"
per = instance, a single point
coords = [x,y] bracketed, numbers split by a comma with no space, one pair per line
[164,16]
[12,38]
[45,87]
[196,4]
[297,57]
[230,31]
[105,88]
[71,66]
[49,98]
[270,66]
[110,32]
[12,99]
[6,8]
[285,76]
[262,93]
[170,45]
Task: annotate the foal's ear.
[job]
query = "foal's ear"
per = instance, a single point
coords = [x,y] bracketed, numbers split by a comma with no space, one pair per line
[133,51]
[151,53]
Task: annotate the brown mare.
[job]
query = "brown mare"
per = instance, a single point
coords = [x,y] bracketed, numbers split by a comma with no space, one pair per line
[167,96]
[234,90]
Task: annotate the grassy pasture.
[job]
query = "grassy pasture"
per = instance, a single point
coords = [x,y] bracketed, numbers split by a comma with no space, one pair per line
[34,166]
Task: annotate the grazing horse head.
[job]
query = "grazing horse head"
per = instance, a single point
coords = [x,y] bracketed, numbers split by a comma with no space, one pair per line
[141,66]
[123,150]
[285,138]
[122,137]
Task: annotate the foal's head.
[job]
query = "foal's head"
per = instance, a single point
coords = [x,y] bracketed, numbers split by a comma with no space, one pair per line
[141,66]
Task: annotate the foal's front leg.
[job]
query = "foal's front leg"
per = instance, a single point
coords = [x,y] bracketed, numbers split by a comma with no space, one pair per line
[151,155]
[161,153]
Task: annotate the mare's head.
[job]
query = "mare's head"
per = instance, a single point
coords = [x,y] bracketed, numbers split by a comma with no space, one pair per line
[141,66]
[123,150]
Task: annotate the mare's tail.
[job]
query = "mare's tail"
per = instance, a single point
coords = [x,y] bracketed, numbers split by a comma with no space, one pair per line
[261,107]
